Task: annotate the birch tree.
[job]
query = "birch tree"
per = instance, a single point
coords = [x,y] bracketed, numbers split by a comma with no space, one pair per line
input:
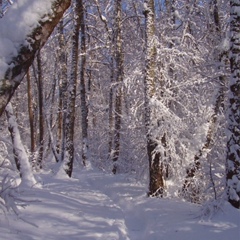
[15,65]
[20,155]
[156,184]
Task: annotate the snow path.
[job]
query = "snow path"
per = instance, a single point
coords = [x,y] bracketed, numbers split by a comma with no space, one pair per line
[68,210]
[101,206]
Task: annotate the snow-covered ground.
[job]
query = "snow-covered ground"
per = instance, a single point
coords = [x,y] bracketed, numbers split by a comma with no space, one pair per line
[95,205]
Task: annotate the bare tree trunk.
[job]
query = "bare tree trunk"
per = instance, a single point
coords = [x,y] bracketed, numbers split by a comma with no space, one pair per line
[51,98]
[84,106]
[119,81]
[30,113]
[20,154]
[70,118]
[156,183]
[62,106]
[18,66]
[166,155]
[233,144]
[110,112]
[40,109]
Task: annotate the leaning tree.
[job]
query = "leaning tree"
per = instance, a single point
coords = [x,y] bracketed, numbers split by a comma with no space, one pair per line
[21,45]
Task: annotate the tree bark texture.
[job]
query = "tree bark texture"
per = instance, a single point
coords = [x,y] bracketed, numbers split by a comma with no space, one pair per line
[83,91]
[70,118]
[63,83]
[30,113]
[20,155]
[156,183]
[233,144]
[40,111]
[118,52]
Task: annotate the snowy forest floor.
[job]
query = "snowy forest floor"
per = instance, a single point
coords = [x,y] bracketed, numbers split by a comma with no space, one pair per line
[95,205]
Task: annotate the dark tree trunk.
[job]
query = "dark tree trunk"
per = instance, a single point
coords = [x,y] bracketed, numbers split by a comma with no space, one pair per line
[30,113]
[233,144]
[84,106]
[118,53]
[40,110]
[110,113]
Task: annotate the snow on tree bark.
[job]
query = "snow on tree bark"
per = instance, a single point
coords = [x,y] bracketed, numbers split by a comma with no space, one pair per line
[156,183]
[233,144]
[21,157]
[18,64]
[72,87]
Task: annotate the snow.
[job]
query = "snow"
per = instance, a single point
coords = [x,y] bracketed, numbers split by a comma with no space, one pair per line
[21,18]
[95,205]
[25,167]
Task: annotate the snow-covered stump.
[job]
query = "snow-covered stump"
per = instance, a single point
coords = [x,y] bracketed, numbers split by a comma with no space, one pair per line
[21,157]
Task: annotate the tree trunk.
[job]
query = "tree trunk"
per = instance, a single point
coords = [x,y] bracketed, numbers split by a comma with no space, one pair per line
[70,118]
[156,184]
[30,113]
[119,81]
[63,83]
[40,109]
[19,64]
[83,93]
[20,154]
[233,144]
[110,112]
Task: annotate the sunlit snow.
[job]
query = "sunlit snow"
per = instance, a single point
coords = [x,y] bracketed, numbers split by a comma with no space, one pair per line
[94,205]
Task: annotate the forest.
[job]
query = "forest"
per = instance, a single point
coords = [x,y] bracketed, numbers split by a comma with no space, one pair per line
[146,88]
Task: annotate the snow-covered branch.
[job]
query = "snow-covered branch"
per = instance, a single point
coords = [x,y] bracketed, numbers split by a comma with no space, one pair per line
[23,31]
